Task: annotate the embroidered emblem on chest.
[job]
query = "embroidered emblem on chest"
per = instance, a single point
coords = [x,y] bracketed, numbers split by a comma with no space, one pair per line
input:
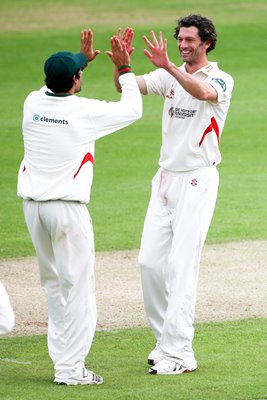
[171,94]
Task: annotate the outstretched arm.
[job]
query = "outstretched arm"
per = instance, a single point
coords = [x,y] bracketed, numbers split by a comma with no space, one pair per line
[112,116]
[158,55]
[127,38]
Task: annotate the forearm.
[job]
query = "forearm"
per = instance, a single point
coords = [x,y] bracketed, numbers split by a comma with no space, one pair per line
[109,117]
[116,79]
[197,88]
[131,97]
[139,79]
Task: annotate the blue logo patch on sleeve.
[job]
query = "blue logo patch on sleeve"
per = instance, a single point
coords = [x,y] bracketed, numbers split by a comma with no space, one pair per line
[221,83]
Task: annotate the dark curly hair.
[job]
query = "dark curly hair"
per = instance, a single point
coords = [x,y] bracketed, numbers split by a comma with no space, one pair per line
[206,29]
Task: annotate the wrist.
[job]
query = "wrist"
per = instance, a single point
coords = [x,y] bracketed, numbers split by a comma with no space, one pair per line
[124,69]
[170,66]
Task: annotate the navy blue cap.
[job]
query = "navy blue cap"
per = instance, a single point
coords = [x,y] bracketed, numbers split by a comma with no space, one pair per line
[63,65]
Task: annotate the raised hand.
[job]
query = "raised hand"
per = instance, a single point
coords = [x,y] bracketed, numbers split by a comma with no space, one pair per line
[87,45]
[127,38]
[158,51]
[118,54]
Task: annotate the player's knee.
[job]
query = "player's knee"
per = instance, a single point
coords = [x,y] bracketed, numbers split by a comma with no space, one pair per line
[147,263]
[142,261]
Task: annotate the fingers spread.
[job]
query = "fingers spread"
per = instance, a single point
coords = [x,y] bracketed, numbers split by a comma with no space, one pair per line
[119,32]
[147,54]
[148,43]
[154,39]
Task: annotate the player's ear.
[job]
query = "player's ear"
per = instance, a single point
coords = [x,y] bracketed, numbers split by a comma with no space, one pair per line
[207,45]
[77,76]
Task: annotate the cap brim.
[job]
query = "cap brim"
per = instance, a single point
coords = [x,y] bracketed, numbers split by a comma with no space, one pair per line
[81,60]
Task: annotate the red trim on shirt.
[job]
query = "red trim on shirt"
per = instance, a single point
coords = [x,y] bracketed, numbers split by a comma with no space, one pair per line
[24,169]
[209,67]
[212,127]
[86,158]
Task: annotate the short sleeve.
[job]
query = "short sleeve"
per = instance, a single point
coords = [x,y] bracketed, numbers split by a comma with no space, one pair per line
[223,83]
[157,82]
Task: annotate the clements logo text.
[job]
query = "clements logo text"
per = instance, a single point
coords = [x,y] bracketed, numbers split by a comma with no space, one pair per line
[38,118]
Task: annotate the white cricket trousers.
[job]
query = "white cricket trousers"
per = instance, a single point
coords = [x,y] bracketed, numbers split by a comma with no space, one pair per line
[62,235]
[7,317]
[175,228]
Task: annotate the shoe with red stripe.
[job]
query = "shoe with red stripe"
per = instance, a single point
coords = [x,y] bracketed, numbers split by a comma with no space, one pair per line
[170,367]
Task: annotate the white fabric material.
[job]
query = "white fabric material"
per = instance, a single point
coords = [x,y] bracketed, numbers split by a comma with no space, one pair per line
[175,228]
[183,198]
[55,179]
[62,235]
[59,132]
[185,119]
[7,318]
[155,355]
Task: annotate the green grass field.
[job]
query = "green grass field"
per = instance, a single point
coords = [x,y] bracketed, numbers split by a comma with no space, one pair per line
[230,354]
[230,357]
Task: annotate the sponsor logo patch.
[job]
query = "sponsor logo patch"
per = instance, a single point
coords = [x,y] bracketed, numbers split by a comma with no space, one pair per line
[221,83]
[181,113]
[171,94]
[38,118]
[171,112]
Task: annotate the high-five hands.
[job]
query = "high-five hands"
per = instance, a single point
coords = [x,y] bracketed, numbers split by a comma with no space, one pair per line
[87,45]
[121,44]
[158,51]
[127,38]
[118,54]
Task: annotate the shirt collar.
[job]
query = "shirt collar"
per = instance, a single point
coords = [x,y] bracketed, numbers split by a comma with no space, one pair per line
[50,93]
[206,70]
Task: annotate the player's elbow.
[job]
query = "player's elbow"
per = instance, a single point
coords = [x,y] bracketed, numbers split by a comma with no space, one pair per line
[208,93]
[138,110]
[133,113]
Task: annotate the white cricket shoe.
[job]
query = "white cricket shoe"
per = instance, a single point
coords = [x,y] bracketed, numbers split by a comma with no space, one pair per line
[85,378]
[169,367]
[156,355]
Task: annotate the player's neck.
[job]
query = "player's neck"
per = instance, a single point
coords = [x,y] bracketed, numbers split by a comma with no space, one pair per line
[191,68]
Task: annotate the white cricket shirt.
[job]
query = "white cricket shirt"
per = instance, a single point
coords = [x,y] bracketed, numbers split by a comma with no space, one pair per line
[59,134]
[191,128]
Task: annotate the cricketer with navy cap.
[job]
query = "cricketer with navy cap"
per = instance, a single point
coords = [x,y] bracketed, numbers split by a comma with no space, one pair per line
[61,67]
[54,181]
